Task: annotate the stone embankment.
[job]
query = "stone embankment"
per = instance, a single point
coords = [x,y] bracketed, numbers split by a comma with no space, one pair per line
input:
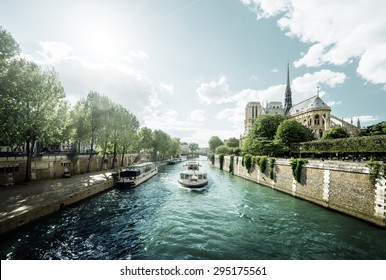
[22,204]
[346,187]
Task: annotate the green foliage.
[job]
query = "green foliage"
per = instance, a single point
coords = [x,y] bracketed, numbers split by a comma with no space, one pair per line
[232,142]
[375,169]
[263,146]
[247,162]
[214,142]
[271,167]
[335,133]
[211,157]
[221,160]
[231,164]
[194,147]
[263,163]
[266,125]
[365,144]
[376,129]
[260,140]
[223,149]
[30,102]
[296,166]
[290,131]
[9,48]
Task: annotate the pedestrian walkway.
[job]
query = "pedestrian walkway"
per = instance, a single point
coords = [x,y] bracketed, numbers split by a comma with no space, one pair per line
[20,204]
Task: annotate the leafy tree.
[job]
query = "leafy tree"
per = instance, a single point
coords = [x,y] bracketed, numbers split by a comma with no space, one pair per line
[29,106]
[96,106]
[146,139]
[9,48]
[376,129]
[81,133]
[263,146]
[161,143]
[224,149]
[214,142]
[174,147]
[193,147]
[232,142]
[335,132]
[260,140]
[266,126]
[290,131]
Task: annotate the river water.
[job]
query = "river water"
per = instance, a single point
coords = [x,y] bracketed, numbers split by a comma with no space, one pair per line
[231,219]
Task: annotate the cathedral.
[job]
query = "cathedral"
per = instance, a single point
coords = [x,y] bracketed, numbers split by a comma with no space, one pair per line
[313,113]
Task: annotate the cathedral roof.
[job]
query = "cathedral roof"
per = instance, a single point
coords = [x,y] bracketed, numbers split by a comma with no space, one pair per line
[310,104]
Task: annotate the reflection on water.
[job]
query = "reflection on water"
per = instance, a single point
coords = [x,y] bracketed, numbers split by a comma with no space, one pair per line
[230,219]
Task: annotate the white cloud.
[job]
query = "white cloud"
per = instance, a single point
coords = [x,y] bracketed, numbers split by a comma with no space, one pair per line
[214,92]
[333,103]
[274,70]
[363,119]
[53,52]
[253,78]
[338,31]
[197,115]
[167,88]
[302,87]
[306,85]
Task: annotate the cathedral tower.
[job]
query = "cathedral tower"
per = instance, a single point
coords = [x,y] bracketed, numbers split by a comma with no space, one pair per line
[288,94]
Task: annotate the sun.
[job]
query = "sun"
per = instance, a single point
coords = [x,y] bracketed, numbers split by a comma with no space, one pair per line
[100,39]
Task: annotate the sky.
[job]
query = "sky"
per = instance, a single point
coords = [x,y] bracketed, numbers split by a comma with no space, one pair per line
[188,67]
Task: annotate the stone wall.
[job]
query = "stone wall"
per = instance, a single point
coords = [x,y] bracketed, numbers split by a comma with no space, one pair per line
[342,186]
[12,169]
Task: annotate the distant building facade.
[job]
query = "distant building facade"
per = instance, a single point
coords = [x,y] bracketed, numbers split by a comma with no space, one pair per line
[313,113]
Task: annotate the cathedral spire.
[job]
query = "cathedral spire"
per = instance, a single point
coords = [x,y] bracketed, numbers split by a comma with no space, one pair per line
[288,93]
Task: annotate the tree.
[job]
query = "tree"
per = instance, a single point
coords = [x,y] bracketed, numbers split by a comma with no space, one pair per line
[146,139]
[290,131]
[174,147]
[161,143]
[224,149]
[29,106]
[260,140]
[335,132]
[376,129]
[9,48]
[95,108]
[266,126]
[232,142]
[214,142]
[193,147]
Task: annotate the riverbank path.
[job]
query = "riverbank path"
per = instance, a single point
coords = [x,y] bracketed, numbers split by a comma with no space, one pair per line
[23,203]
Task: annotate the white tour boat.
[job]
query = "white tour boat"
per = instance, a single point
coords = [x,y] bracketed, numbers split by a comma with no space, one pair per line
[134,175]
[193,176]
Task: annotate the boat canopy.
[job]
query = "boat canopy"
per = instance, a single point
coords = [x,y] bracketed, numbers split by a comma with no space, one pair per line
[130,173]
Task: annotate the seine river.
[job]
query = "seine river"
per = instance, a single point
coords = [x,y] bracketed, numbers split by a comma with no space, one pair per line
[231,219]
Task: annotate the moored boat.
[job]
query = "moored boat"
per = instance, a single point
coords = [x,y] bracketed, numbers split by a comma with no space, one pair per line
[193,176]
[134,175]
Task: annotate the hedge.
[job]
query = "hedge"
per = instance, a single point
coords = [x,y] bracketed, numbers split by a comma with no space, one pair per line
[365,144]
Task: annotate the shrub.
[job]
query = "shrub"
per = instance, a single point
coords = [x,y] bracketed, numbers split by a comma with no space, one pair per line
[296,165]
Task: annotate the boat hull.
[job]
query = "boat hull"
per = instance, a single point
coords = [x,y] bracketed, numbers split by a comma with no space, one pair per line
[126,183]
[193,184]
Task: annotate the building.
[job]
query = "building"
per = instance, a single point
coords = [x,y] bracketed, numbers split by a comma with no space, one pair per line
[313,113]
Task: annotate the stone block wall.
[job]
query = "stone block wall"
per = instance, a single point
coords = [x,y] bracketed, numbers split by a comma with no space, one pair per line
[342,186]
[12,169]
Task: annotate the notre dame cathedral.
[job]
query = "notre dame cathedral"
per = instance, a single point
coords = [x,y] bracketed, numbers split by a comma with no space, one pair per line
[313,113]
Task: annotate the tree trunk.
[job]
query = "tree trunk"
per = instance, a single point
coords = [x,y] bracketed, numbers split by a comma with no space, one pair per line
[123,156]
[104,155]
[89,158]
[30,148]
[115,156]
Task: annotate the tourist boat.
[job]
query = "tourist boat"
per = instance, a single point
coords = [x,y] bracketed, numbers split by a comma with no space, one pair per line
[134,175]
[193,176]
